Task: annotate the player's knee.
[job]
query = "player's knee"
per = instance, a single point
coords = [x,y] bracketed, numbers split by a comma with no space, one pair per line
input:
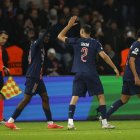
[26,100]
[101,97]
[124,101]
[45,98]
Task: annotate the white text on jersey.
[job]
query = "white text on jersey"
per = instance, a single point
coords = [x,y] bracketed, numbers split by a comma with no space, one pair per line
[84,44]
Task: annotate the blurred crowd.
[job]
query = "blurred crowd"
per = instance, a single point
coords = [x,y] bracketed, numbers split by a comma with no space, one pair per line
[114,24]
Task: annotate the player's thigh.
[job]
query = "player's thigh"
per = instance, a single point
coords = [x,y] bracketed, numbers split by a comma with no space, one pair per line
[79,86]
[125,98]
[31,86]
[42,88]
[94,86]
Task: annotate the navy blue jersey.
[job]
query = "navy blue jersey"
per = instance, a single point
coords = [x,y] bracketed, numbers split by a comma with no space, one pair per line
[36,58]
[134,52]
[85,52]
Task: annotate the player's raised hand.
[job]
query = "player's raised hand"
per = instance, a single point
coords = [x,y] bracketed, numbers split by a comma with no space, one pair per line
[137,81]
[117,72]
[72,21]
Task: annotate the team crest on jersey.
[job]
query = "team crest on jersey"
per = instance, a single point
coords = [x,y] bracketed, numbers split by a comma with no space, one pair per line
[83,44]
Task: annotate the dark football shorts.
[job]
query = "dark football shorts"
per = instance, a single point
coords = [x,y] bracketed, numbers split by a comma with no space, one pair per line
[34,86]
[129,88]
[85,82]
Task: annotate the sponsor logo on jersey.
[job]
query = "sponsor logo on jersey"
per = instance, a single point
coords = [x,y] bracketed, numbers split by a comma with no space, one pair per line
[83,44]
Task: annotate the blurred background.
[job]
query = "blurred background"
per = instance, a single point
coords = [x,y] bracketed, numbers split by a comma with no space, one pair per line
[114,24]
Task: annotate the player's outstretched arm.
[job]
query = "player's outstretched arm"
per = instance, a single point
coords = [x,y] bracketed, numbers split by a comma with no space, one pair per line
[62,34]
[107,59]
[133,69]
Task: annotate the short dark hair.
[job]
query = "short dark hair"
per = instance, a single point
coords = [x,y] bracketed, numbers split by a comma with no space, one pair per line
[87,28]
[3,32]
[138,33]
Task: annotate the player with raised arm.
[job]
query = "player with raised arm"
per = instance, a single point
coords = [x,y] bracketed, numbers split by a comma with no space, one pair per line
[34,84]
[131,78]
[84,65]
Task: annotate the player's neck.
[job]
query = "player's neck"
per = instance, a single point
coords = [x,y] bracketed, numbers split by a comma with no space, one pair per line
[86,36]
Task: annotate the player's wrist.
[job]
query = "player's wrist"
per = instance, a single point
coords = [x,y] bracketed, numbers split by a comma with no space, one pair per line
[136,76]
[115,69]
[69,26]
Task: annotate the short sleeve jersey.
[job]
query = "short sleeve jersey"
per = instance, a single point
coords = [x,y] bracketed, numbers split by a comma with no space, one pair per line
[134,52]
[85,52]
[36,58]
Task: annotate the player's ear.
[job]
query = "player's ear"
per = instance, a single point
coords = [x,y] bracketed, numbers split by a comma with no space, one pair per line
[82,31]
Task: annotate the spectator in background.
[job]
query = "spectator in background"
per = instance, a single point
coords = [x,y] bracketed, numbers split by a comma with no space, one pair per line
[75,11]
[99,31]
[44,13]
[59,5]
[103,67]
[86,18]
[19,24]
[52,65]
[114,36]
[28,24]
[2,19]
[66,12]
[96,16]
[34,16]
[9,10]
[128,12]
[53,16]
[111,11]
[31,5]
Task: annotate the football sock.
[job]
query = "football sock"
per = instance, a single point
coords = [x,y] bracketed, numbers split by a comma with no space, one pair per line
[102,109]
[104,121]
[16,113]
[71,111]
[114,107]
[71,114]
[70,121]
[11,120]
[1,109]
[48,114]
[50,122]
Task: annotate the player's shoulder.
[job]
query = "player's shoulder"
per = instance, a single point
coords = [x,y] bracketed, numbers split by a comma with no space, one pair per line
[73,38]
[33,44]
[135,44]
[95,41]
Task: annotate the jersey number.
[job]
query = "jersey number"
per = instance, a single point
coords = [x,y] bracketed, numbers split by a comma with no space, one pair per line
[84,51]
[135,51]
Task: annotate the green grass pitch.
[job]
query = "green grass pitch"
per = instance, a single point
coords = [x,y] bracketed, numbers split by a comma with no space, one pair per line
[86,130]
